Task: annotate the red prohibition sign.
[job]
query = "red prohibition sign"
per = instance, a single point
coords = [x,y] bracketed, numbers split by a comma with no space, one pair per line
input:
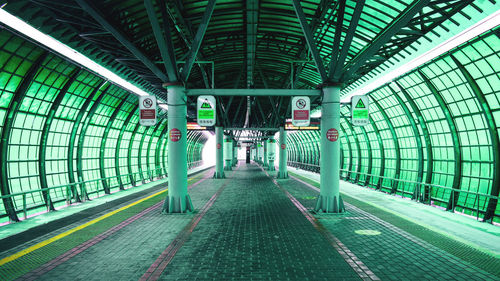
[175,135]
[283,146]
[219,146]
[147,103]
[332,134]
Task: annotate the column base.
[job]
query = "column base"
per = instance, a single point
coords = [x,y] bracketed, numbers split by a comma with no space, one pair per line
[177,205]
[219,175]
[329,204]
[270,167]
[282,175]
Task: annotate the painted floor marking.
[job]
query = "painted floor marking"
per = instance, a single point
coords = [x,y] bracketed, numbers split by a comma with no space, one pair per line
[411,237]
[157,268]
[73,230]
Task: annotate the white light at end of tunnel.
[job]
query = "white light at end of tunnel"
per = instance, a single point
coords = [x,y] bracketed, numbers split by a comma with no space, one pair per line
[208,153]
[64,50]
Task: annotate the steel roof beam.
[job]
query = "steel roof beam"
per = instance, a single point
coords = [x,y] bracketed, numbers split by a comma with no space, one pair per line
[382,38]
[164,42]
[195,46]
[337,64]
[311,43]
[252,22]
[101,19]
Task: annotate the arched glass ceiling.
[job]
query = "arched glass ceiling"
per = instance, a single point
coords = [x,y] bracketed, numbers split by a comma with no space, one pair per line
[61,125]
[436,125]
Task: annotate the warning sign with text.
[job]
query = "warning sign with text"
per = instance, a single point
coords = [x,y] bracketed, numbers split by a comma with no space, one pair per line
[301,111]
[147,110]
[206,111]
[360,110]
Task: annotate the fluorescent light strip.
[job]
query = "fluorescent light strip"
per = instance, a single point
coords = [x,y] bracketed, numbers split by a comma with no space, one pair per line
[477,29]
[69,53]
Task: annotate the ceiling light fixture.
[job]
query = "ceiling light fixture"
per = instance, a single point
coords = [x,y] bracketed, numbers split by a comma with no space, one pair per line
[68,52]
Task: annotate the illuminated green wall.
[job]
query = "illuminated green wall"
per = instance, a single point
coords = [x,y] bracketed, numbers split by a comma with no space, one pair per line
[438,124]
[61,124]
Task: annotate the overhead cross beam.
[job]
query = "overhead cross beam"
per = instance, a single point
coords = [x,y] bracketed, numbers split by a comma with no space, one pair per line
[101,19]
[311,43]
[200,33]
[164,42]
[382,38]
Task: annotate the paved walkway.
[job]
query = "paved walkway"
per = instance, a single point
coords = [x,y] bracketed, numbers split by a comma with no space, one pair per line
[246,227]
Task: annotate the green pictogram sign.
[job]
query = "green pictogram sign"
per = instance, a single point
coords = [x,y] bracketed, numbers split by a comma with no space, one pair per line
[360,110]
[206,111]
[360,104]
[206,104]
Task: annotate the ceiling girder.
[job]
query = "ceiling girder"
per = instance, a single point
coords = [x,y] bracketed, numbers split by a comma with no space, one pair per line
[382,38]
[252,13]
[335,68]
[100,18]
[163,42]
[311,43]
[195,46]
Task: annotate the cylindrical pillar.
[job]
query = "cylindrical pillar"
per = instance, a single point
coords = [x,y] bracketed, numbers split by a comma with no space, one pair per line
[271,153]
[235,153]
[283,173]
[228,154]
[259,152]
[266,161]
[178,200]
[329,200]
[219,153]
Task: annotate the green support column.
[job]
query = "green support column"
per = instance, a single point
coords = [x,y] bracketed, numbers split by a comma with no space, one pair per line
[265,164]
[271,153]
[282,169]
[329,200]
[228,153]
[235,153]
[178,200]
[219,153]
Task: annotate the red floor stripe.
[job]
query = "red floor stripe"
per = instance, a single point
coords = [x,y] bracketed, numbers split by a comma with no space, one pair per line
[354,262]
[157,268]
[32,275]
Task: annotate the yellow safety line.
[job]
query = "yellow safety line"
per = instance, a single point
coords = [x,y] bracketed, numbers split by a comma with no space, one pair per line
[64,234]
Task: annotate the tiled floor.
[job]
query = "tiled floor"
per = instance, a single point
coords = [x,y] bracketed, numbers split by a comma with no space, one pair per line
[247,226]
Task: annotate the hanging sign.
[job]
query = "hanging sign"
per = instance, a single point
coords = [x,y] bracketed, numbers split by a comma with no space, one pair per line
[175,135]
[147,110]
[301,111]
[360,110]
[206,111]
[332,134]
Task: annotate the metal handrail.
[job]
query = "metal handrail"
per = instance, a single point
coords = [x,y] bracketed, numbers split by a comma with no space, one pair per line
[420,184]
[83,189]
